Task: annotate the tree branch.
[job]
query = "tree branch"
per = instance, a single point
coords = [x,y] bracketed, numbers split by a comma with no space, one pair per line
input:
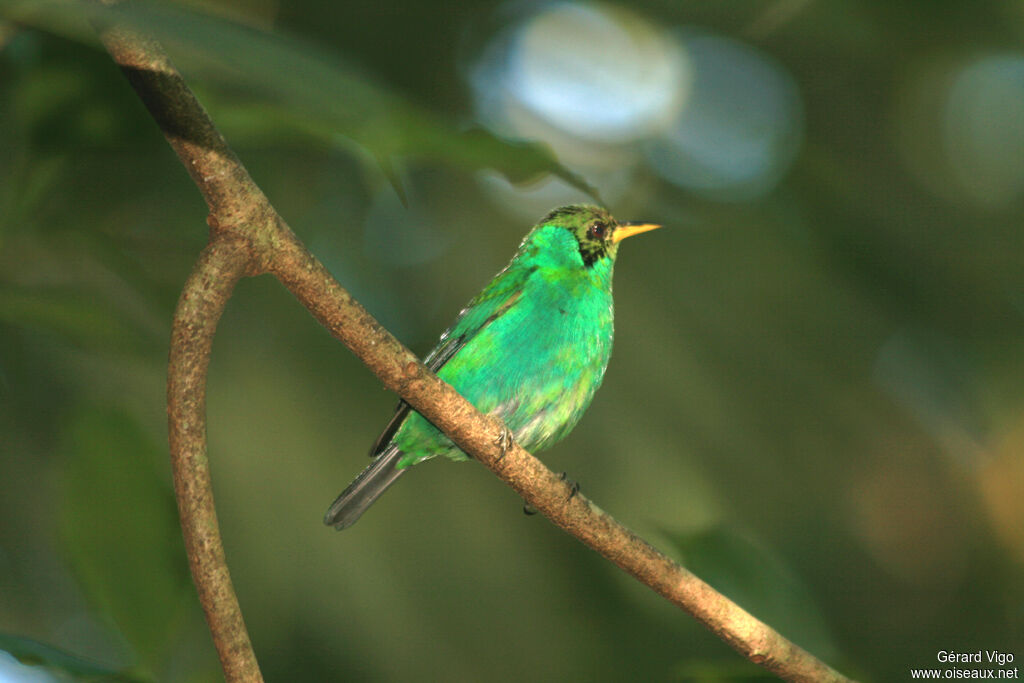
[249,237]
[207,290]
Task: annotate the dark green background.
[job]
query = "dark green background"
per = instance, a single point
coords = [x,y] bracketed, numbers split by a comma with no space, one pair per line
[815,399]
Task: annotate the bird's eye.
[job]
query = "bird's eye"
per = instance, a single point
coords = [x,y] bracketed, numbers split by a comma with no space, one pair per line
[597,230]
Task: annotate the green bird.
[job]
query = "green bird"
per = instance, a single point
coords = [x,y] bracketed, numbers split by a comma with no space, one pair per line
[531,348]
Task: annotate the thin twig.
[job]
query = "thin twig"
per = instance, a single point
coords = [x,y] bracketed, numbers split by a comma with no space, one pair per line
[206,292]
[248,237]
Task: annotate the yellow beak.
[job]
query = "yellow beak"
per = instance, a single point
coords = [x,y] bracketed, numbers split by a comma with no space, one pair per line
[629,229]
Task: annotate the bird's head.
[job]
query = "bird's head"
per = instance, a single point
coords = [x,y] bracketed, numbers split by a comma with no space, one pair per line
[596,231]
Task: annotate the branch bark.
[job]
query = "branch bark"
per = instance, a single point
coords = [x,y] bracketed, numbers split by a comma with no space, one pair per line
[248,237]
[207,290]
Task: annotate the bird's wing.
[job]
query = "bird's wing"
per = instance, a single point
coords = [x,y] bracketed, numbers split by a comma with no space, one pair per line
[489,305]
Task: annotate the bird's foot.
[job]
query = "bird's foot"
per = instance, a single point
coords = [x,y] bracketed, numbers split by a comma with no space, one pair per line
[574,486]
[504,441]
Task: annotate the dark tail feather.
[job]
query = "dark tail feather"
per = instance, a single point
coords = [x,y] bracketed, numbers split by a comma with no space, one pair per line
[366,488]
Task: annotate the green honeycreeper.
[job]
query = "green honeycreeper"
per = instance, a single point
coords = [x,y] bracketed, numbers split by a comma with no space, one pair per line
[531,348]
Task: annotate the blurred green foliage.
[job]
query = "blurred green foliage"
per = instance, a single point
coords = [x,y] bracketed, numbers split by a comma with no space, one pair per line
[33,653]
[111,459]
[815,398]
[756,578]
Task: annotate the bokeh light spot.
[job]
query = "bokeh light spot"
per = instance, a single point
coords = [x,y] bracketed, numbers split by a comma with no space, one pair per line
[959,126]
[591,80]
[984,128]
[742,125]
[597,71]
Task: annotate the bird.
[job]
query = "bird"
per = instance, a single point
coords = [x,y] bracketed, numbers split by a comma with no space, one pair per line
[531,349]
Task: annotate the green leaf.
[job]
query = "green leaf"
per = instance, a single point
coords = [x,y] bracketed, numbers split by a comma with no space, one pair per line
[300,86]
[119,528]
[34,653]
[759,581]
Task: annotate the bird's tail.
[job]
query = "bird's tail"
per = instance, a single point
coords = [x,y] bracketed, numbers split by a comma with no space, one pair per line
[364,489]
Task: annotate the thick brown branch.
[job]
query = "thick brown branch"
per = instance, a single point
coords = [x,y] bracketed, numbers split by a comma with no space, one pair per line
[249,237]
[232,196]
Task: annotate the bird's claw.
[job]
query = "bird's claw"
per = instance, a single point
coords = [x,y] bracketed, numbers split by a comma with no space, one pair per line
[504,441]
[574,486]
